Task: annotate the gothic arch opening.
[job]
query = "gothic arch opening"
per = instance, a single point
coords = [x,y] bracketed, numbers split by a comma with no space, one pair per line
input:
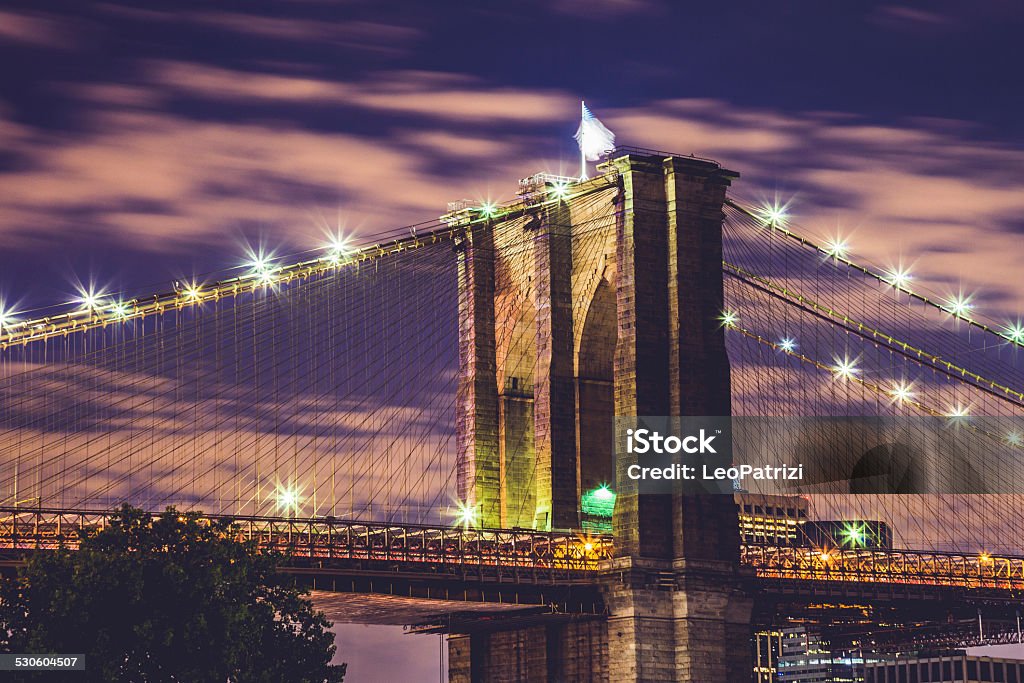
[595,396]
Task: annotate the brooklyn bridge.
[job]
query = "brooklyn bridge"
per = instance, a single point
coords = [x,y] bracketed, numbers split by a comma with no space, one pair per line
[425,420]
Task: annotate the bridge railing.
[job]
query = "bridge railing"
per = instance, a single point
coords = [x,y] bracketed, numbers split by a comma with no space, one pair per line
[886,566]
[326,540]
[541,554]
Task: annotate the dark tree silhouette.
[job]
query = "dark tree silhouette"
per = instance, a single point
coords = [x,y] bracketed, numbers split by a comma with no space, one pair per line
[172,598]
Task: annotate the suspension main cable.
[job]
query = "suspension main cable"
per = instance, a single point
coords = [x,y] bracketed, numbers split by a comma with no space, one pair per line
[864,270]
[868,332]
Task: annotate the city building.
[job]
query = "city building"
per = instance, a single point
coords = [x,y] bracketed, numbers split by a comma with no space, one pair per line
[784,521]
[808,657]
[951,667]
[767,650]
[770,519]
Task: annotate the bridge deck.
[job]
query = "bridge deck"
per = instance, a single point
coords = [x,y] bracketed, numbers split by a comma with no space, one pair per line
[556,557]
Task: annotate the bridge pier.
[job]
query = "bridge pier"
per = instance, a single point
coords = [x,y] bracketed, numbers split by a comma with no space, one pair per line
[663,625]
[564,652]
[674,591]
[622,290]
[682,621]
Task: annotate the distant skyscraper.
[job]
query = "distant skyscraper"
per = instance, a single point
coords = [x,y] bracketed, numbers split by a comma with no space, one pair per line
[807,657]
[767,650]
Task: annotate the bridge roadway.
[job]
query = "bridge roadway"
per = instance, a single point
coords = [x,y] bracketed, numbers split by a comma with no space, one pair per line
[423,571]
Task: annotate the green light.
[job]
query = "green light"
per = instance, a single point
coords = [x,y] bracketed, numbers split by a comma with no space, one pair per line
[489,209]
[854,535]
[598,502]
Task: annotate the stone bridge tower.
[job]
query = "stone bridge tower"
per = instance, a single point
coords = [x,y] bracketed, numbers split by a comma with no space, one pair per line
[572,312]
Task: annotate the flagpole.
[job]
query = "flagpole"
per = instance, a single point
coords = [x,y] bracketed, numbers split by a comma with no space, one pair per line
[583,156]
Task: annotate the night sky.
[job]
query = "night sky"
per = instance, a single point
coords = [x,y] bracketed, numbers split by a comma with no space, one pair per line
[150,141]
[146,142]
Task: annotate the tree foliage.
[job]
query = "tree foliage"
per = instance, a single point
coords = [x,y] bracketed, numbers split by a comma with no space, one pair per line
[172,598]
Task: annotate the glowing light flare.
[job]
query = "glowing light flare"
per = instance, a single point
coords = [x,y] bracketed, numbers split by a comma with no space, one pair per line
[6,317]
[959,306]
[120,310]
[489,209]
[837,248]
[588,543]
[729,318]
[958,413]
[775,214]
[845,368]
[267,277]
[288,499]
[825,555]
[466,515]
[193,292]
[899,278]
[984,557]
[560,189]
[90,300]
[261,267]
[902,392]
[338,248]
[787,344]
[854,535]
[259,263]
[1015,439]
[1015,332]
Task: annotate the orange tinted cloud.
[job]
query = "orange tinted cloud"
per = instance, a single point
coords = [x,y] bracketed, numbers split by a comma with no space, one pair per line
[923,192]
[33,29]
[443,96]
[926,191]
